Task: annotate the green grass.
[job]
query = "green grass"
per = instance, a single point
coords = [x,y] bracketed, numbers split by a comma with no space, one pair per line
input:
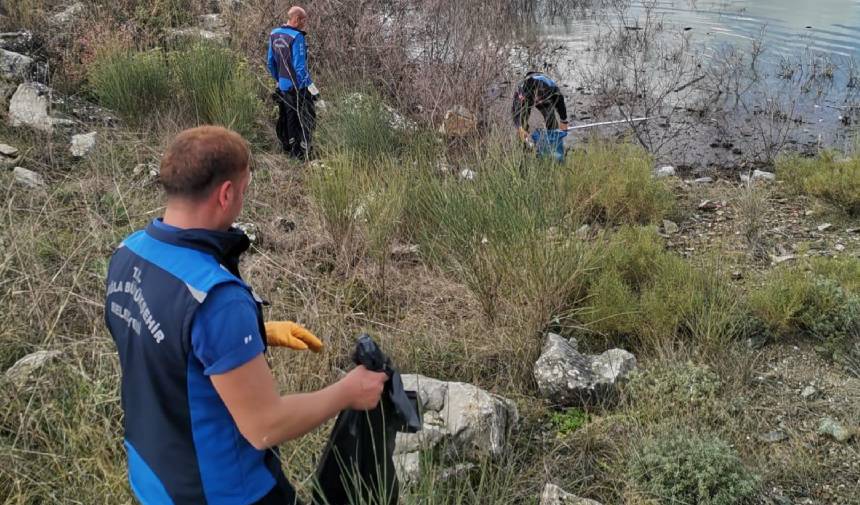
[134,84]
[204,82]
[217,86]
[830,177]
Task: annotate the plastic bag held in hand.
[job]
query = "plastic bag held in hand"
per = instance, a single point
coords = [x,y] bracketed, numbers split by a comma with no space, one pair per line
[357,465]
[291,335]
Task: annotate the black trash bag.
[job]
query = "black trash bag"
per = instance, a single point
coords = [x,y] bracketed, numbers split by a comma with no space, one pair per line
[357,465]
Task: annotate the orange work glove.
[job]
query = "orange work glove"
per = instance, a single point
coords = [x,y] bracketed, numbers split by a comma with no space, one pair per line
[291,335]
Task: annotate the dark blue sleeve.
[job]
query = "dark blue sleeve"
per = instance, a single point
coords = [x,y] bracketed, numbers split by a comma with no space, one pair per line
[300,61]
[225,333]
[270,61]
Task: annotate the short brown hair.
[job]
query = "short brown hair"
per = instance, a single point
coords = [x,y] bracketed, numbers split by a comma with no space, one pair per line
[198,159]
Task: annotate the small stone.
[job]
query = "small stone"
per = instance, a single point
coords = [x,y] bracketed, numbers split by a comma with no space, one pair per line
[708,205]
[839,247]
[737,275]
[853,230]
[582,231]
[24,368]
[808,392]
[28,178]
[287,225]
[467,174]
[554,495]
[665,171]
[773,437]
[825,227]
[761,175]
[670,227]
[404,251]
[704,180]
[809,213]
[830,427]
[8,151]
[82,144]
[782,259]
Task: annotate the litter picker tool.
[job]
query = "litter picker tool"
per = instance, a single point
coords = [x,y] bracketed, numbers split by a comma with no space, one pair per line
[606,123]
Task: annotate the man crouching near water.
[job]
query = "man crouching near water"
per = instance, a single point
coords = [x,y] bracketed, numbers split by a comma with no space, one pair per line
[202,409]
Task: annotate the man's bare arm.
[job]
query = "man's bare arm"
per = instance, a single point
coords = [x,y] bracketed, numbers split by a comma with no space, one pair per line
[267,419]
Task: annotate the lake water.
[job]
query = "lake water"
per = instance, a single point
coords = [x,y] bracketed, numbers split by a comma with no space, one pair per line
[809,33]
[790,26]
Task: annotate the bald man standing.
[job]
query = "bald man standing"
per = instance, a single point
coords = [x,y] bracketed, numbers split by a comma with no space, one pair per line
[296,93]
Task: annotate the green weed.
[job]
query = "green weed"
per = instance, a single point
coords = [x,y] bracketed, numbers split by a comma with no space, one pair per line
[828,176]
[135,84]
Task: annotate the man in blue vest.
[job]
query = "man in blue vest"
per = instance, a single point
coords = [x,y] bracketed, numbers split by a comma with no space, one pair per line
[538,90]
[202,408]
[288,63]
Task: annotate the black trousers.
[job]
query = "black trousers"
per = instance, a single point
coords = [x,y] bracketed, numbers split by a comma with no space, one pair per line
[296,122]
[547,109]
[282,494]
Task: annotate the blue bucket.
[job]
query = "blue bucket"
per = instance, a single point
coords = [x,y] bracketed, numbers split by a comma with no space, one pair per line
[549,143]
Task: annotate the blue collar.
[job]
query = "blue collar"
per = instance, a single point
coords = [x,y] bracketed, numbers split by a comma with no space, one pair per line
[224,246]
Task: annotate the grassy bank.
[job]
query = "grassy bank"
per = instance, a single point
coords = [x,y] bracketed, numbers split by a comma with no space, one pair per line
[458,256]
[520,248]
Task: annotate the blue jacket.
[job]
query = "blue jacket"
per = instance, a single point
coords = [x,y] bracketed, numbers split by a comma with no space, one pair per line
[288,58]
[183,445]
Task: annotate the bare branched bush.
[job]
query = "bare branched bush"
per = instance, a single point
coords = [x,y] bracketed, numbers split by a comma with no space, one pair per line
[425,57]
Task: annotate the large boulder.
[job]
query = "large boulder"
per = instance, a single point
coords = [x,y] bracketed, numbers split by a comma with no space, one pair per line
[30,106]
[14,66]
[567,377]
[462,421]
[554,495]
[25,368]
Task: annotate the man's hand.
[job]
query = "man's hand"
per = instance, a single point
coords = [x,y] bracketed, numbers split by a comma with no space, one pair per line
[563,126]
[523,134]
[362,388]
[292,335]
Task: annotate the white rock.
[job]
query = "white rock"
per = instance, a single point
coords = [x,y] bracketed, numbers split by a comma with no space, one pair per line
[824,227]
[704,180]
[24,368]
[468,175]
[28,177]
[68,15]
[14,66]
[670,227]
[468,422]
[566,377]
[30,106]
[211,22]
[8,151]
[808,392]
[761,175]
[554,495]
[82,144]
[666,171]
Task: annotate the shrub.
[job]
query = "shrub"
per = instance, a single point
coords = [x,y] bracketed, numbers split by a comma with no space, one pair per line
[506,235]
[644,293]
[337,191]
[669,389]
[133,84]
[820,302]
[687,468]
[218,86]
[362,124]
[568,421]
[613,183]
[834,180]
